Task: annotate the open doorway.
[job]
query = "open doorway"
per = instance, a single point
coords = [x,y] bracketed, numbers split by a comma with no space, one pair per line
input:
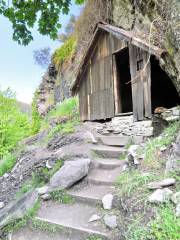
[163,91]
[123,88]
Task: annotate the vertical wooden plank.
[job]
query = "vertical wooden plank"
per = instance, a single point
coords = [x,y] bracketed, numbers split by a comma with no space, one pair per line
[132,57]
[147,86]
[118,106]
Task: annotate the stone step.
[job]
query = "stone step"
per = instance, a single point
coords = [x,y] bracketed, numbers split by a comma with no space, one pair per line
[109,163]
[73,218]
[91,194]
[109,151]
[50,233]
[120,140]
[103,176]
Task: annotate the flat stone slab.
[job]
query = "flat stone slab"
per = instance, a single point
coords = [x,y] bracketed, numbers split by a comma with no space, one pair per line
[28,233]
[164,183]
[109,151]
[120,140]
[91,194]
[73,217]
[103,176]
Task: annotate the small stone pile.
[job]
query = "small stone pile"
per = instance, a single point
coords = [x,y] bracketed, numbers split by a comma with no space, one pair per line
[126,126]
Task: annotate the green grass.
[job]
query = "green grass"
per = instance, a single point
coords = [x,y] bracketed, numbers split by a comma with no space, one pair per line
[49,227]
[152,148]
[165,226]
[131,182]
[65,52]
[64,128]
[61,196]
[7,163]
[93,237]
[68,108]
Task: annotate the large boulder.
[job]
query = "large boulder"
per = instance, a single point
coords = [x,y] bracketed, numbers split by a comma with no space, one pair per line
[69,174]
[18,208]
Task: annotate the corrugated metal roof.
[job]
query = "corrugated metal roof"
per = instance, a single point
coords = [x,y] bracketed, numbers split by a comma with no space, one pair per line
[129,36]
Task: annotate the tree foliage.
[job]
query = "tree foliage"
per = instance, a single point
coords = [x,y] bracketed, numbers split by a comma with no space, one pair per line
[23,14]
[42,57]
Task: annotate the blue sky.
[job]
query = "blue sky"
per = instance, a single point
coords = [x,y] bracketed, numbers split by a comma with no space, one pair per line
[17,68]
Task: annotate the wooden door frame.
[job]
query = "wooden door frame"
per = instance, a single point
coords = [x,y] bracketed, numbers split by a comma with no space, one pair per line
[116,85]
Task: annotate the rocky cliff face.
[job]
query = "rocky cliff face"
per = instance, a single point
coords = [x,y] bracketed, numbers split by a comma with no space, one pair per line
[163,18]
[45,92]
[55,86]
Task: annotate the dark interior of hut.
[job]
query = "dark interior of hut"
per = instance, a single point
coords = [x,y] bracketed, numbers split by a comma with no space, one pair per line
[163,91]
[123,77]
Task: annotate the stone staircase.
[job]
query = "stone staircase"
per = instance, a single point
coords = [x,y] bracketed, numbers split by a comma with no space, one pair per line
[71,221]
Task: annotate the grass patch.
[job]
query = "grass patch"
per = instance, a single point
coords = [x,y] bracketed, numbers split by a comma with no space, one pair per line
[61,196]
[7,163]
[123,156]
[51,228]
[133,181]
[165,226]
[68,108]
[93,237]
[64,128]
[152,151]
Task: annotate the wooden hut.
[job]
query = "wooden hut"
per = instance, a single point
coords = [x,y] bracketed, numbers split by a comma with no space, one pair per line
[115,76]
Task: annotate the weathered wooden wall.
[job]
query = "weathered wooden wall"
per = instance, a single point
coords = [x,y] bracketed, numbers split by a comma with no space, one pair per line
[96,92]
[140,82]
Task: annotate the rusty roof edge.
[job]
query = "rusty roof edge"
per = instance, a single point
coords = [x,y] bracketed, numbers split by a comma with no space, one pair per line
[148,47]
[84,57]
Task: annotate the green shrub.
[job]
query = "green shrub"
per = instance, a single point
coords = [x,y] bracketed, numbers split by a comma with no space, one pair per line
[36,119]
[65,52]
[166,225]
[68,108]
[7,163]
[14,125]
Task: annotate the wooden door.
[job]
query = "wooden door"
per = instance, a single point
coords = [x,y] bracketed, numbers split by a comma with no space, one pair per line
[141,82]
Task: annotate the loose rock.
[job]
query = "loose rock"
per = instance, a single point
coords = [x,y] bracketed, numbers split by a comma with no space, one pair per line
[43,190]
[107,201]
[176,198]
[69,174]
[2,205]
[178,210]
[46,197]
[160,196]
[132,155]
[94,218]
[164,183]
[110,221]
